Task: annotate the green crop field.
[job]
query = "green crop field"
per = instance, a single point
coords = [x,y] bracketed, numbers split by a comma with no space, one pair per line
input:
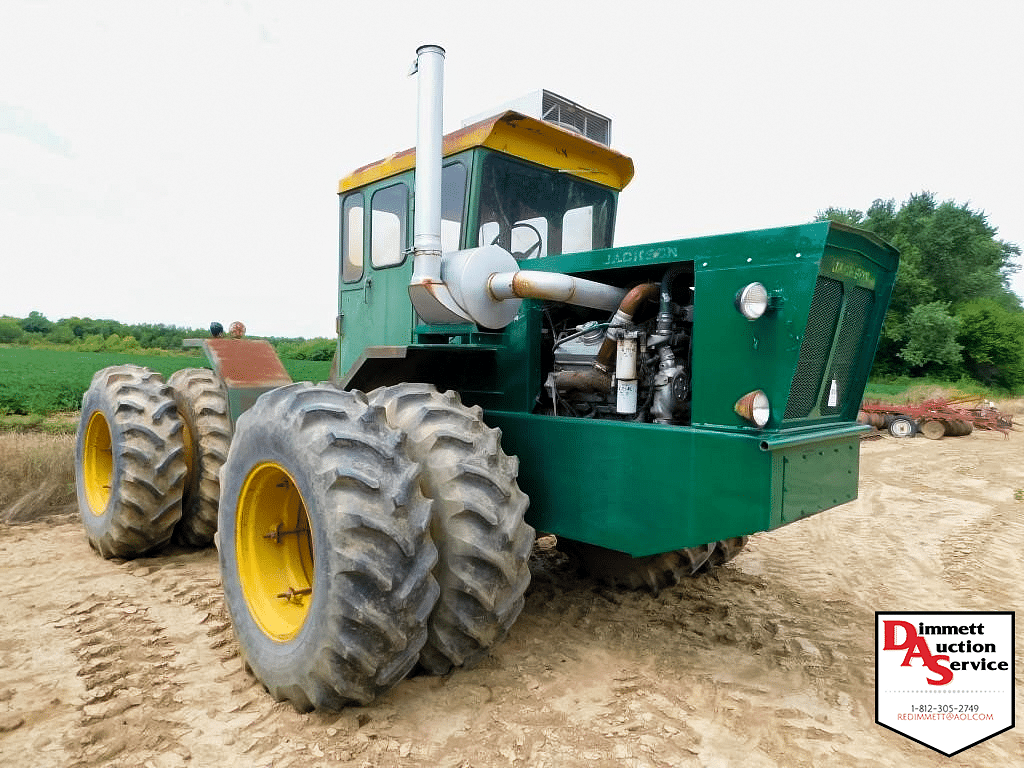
[43,381]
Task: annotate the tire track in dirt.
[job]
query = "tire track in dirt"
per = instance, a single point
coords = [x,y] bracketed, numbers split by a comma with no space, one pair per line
[218,698]
[126,661]
[179,580]
[159,665]
[39,692]
[986,553]
[221,708]
[768,639]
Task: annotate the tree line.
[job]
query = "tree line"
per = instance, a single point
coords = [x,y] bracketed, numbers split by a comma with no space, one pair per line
[952,312]
[85,334]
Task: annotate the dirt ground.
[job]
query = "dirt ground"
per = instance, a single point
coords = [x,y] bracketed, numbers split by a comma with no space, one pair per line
[767,661]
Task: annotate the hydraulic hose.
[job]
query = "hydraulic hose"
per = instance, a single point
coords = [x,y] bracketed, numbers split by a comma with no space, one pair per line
[664,327]
[623,315]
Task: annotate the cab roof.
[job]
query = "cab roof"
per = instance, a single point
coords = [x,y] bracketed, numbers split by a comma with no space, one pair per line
[520,136]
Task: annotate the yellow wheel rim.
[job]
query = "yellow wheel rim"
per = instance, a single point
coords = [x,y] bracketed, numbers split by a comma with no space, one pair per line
[97,464]
[274,548]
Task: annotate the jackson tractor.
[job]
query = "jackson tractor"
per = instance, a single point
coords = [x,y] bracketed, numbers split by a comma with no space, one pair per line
[501,369]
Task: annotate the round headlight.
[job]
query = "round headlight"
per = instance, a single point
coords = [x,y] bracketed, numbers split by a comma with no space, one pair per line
[752,301]
[754,407]
[761,410]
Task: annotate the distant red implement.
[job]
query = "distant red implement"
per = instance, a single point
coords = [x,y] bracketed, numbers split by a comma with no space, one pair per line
[936,418]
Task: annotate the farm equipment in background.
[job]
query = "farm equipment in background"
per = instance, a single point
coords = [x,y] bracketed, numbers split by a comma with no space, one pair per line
[936,418]
[651,406]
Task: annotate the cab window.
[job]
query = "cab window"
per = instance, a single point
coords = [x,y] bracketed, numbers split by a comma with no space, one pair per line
[389,212]
[352,237]
[453,199]
[533,211]
[578,230]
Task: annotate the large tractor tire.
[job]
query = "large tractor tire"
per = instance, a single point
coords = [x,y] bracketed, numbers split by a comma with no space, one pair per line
[482,540]
[654,572]
[203,407]
[129,462]
[325,548]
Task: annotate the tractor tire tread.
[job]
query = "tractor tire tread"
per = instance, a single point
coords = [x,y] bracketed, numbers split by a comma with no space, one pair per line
[203,404]
[653,572]
[148,475]
[478,522]
[373,572]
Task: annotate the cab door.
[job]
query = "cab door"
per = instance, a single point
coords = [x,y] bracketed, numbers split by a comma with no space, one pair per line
[376,262]
[374,307]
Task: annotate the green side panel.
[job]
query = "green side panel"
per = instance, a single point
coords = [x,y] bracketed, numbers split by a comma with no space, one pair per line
[519,361]
[645,488]
[733,355]
[816,478]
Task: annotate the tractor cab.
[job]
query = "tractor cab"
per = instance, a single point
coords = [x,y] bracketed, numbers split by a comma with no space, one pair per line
[536,187]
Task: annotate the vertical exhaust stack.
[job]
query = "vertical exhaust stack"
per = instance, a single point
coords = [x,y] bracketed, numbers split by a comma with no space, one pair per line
[430,296]
[429,127]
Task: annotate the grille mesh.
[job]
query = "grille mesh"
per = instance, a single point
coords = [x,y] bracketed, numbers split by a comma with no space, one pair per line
[814,351]
[859,303]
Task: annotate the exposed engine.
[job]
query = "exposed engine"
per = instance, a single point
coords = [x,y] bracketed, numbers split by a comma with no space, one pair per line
[634,366]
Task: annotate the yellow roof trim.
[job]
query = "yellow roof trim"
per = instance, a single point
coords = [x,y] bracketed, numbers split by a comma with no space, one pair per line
[519,136]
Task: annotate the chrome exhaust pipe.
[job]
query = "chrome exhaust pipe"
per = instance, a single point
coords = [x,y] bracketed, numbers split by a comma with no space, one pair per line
[430,296]
[427,224]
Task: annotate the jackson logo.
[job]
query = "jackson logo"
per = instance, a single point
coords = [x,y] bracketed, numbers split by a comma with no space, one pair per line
[945,679]
[853,272]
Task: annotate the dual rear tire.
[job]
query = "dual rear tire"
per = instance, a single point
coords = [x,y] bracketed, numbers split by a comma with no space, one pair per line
[325,549]
[361,535]
[148,456]
[483,542]
[202,404]
[339,573]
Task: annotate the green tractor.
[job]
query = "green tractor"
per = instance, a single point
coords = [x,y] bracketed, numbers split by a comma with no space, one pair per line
[651,406]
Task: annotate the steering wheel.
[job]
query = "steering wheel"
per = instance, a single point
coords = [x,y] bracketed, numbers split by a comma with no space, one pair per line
[535,248]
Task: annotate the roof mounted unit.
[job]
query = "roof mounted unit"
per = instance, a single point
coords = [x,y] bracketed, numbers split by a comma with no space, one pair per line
[558,110]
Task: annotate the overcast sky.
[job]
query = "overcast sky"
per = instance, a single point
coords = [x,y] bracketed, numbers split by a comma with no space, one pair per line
[177,162]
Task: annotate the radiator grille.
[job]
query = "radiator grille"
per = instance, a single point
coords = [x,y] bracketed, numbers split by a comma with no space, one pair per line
[821,329]
[835,332]
[848,345]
